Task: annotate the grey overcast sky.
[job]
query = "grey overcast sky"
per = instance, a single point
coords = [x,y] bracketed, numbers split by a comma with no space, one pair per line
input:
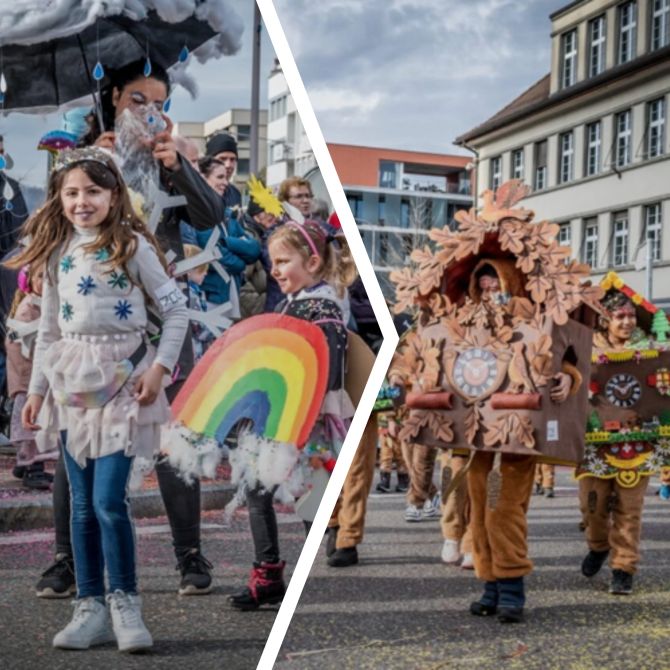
[222,83]
[415,74]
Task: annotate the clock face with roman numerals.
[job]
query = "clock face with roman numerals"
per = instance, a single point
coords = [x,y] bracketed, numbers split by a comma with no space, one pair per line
[623,390]
[475,371]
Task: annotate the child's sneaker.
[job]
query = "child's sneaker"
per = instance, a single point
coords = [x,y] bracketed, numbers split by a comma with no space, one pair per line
[664,492]
[131,633]
[196,578]
[57,581]
[549,493]
[450,553]
[468,562]
[384,485]
[431,508]
[413,513]
[90,625]
[403,482]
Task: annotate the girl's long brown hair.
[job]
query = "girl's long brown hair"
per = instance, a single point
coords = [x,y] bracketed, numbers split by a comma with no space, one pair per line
[48,231]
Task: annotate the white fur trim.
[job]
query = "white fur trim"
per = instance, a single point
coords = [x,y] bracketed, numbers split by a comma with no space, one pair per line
[191,455]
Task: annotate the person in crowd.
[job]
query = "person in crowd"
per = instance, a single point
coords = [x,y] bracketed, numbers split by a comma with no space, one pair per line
[19,344]
[312,271]
[297,192]
[130,92]
[319,211]
[455,519]
[238,248]
[390,452]
[223,148]
[189,150]
[544,479]
[102,267]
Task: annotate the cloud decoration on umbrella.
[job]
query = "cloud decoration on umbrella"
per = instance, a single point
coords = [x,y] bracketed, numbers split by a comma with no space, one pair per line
[50,50]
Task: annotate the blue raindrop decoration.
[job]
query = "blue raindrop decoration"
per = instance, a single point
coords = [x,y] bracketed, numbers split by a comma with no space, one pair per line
[9,206]
[183,54]
[3,162]
[98,71]
[166,105]
[2,98]
[147,67]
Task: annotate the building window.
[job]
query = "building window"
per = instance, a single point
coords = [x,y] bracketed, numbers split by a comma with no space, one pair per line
[565,235]
[404,213]
[590,247]
[517,164]
[496,172]
[620,239]
[597,46]
[381,210]
[655,127]
[623,140]
[569,58]
[389,174]
[592,148]
[652,229]
[356,206]
[242,166]
[278,108]
[660,24]
[566,158]
[540,180]
[627,31]
[243,133]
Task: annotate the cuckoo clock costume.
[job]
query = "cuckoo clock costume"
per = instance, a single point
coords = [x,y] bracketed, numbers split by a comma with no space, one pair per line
[628,428]
[494,364]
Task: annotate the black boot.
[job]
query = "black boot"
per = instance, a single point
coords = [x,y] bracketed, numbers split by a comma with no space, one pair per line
[622,583]
[593,561]
[343,558]
[266,587]
[487,605]
[384,485]
[512,599]
[331,540]
[403,482]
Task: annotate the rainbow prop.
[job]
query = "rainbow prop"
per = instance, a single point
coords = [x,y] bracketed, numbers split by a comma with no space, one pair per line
[57,140]
[270,368]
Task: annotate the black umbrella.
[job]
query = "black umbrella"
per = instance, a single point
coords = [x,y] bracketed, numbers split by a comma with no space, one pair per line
[49,74]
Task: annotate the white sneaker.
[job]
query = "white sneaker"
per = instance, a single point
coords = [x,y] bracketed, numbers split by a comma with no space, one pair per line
[431,508]
[467,563]
[413,513]
[90,625]
[131,633]
[450,553]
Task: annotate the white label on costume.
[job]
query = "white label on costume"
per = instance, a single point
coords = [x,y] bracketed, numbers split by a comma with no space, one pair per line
[552,431]
[169,296]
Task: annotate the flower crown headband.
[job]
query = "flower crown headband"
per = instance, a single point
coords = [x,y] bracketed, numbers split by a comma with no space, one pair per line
[70,157]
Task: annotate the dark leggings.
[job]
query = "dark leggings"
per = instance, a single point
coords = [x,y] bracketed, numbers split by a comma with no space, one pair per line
[263,522]
[181,500]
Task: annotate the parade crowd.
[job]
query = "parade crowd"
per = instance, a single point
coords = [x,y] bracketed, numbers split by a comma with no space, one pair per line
[101,334]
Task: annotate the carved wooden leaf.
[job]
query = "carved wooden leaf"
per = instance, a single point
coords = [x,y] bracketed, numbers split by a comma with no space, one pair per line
[472,419]
[430,279]
[422,256]
[511,192]
[523,431]
[430,356]
[497,433]
[591,294]
[526,263]
[495,210]
[521,308]
[538,285]
[511,235]
[412,425]
[554,255]
[556,309]
[545,232]
[469,245]
[440,427]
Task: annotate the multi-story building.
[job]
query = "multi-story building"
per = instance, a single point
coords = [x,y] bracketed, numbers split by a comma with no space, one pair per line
[289,150]
[236,122]
[591,138]
[397,196]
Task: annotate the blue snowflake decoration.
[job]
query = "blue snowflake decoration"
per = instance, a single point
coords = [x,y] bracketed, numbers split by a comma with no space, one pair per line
[67,311]
[86,285]
[118,280]
[123,310]
[67,264]
[102,255]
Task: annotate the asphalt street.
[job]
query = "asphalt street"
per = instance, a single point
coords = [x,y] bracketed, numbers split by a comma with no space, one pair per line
[199,632]
[402,608]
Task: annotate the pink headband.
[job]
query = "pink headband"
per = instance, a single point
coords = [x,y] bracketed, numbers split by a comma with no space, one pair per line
[306,235]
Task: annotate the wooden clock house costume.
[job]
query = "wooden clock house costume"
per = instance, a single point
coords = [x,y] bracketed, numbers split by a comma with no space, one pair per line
[497,372]
[628,428]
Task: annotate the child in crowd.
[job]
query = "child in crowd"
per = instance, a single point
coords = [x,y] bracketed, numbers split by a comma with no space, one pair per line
[19,345]
[96,382]
[201,336]
[313,270]
[390,451]
[544,479]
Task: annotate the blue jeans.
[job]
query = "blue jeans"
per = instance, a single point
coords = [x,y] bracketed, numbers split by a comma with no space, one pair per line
[102,530]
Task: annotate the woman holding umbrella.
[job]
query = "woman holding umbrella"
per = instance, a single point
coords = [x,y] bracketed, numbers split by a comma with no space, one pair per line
[132,94]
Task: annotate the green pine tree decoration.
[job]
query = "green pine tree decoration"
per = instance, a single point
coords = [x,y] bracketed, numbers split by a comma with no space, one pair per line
[593,423]
[660,326]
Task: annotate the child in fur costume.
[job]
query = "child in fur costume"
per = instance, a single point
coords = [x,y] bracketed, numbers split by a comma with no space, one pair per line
[313,270]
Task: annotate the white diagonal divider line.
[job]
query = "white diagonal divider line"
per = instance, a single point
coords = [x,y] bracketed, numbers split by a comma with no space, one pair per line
[338,198]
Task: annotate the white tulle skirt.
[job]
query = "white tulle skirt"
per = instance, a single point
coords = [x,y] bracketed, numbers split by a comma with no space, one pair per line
[86,363]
